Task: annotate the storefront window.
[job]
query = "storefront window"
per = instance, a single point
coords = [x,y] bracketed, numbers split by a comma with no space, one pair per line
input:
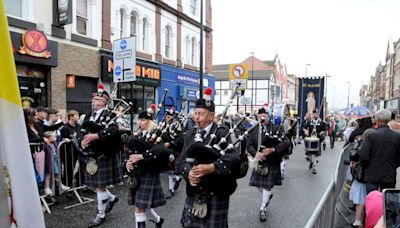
[217,85]
[224,84]
[217,98]
[33,84]
[261,96]
[262,84]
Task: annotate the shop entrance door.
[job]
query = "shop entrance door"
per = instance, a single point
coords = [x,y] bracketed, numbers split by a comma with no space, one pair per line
[80,97]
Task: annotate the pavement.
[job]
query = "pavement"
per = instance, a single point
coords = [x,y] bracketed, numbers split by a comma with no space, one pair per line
[291,206]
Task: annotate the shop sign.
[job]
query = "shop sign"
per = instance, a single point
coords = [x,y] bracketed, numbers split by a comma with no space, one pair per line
[64,12]
[191,94]
[33,47]
[187,79]
[71,81]
[34,43]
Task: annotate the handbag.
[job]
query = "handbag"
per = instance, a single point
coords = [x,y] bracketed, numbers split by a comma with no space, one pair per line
[38,164]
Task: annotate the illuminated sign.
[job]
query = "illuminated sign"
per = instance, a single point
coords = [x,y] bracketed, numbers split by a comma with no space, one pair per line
[34,43]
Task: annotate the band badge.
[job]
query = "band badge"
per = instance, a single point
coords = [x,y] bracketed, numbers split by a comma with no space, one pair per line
[92,167]
[34,43]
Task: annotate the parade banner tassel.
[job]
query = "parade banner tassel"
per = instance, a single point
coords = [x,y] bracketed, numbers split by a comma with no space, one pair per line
[15,156]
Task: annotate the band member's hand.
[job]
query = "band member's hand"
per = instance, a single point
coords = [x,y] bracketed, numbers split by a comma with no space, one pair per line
[167,145]
[136,134]
[203,169]
[91,137]
[84,144]
[67,140]
[129,166]
[193,179]
[135,157]
[261,156]
[268,150]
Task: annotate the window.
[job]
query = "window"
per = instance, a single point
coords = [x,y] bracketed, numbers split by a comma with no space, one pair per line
[193,4]
[144,38]
[133,24]
[193,51]
[121,23]
[262,84]
[168,42]
[14,7]
[187,50]
[82,17]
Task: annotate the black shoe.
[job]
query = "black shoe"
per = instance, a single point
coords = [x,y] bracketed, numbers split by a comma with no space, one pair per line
[307,158]
[310,165]
[314,171]
[159,224]
[263,215]
[110,205]
[176,186]
[96,221]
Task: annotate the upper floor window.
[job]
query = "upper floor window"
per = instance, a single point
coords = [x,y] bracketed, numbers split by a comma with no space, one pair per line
[121,23]
[14,7]
[82,17]
[188,50]
[193,51]
[168,42]
[193,6]
[145,34]
[133,24]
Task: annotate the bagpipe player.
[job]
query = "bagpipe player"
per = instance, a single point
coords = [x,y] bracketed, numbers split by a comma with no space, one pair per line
[102,142]
[210,178]
[268,144]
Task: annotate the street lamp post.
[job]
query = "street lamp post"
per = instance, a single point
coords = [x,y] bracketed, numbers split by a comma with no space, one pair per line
[252,80]
[201,50]
[348,95]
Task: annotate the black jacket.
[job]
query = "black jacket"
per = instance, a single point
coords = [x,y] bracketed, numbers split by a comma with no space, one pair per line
[223,181]
[281,148]
[380,155]
[41,127]
[109,141]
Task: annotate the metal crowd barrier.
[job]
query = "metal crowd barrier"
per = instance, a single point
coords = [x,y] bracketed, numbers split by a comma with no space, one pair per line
[324,214]
[39,147]
[72,172]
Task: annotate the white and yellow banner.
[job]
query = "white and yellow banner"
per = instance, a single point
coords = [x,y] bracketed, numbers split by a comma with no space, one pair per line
[14,146]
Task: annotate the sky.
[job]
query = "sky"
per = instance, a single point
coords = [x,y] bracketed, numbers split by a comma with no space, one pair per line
[345,39]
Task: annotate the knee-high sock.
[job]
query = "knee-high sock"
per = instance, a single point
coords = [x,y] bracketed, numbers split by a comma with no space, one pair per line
[265,198]
[140,220]
[171,182]
[102,198]
[152,215]
[283,164]
[111,197]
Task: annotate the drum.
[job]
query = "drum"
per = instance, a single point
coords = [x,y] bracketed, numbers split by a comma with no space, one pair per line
[279,112]
[312,144]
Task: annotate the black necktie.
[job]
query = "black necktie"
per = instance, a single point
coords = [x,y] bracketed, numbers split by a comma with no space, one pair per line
[203,133]
[94,114]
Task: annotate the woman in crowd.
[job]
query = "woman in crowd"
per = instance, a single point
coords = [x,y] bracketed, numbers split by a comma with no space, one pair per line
[358,190]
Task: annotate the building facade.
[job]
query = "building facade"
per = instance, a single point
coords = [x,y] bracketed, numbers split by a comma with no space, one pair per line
[267,84]
[79,36]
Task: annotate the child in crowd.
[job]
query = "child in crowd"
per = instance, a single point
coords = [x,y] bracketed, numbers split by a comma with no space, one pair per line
[51,164]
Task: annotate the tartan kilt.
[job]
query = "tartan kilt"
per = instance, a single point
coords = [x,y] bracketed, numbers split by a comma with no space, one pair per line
[272,178]
[149,193]
[109,172]
[217,213]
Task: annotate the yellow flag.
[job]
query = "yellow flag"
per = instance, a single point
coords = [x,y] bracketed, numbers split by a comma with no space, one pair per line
[15,156]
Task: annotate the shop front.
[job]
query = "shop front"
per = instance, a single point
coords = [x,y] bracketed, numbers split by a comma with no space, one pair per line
[182,85]
[142,92]
[34,57]
[393,105]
